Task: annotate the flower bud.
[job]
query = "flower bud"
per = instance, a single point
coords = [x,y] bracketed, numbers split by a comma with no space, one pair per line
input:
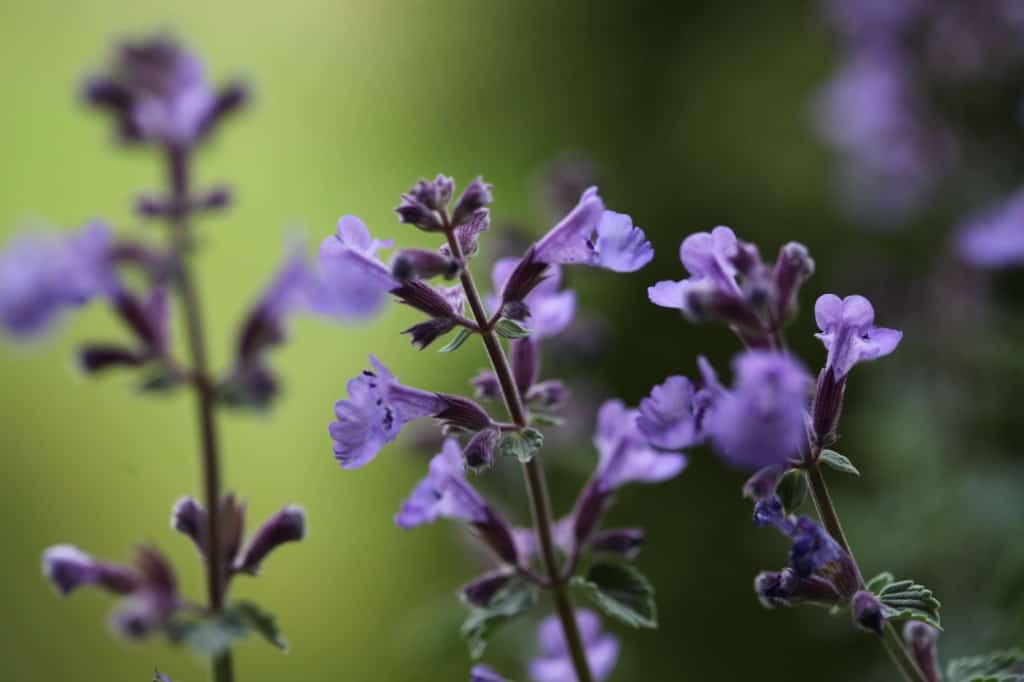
[69,568]
[477,195]
[525,363]
[288,525]
[922,640]
[425,333]
[626,542]
[528,273]
[495,532]
[786,588]
[479,592]
[97,357]
[486,386]
[463,414]
[189,517]
[410,264]
[591,505]
[479,452]
[827,407]
[548,394]
[423,297]
[762,484]
[792,268]
[415,213]
[468,232]
[867,612]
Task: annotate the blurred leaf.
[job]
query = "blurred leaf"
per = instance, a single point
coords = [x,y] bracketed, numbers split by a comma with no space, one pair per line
[834,460]
[511,601]
[541,419]
[522,445]
[998,666]
[158,379]
[907,600]
[460,338]
[876,584]
[510,329]
[792,490]
[621,591]
[261,622]
[212,635]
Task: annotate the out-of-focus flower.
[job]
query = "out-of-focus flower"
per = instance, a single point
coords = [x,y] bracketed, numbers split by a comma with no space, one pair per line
[555,663]
[351,282]
[670,416]
[922,640]
[849,333]
[42,276]
[158,92]
[485,673]
[994,238]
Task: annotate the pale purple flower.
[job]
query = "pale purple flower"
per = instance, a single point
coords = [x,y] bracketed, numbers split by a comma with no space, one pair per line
[485,673]
[708,257]
[849,333]
[375,411]
[591,235]
[551,310]
[555,663]
[626,455]
[670,417]
[443,493]
[994,238]
[352,282]
[43,275]
[760,422]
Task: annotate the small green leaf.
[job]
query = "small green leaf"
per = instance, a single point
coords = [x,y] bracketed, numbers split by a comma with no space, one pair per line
[511,601]
[510,329]
[998,666]
[522,445]
[876,584]
[158,379]
[621,591]
[541,419]
[907,600]
[213,635]
[792,490]
[834,460]
[460,338]
[261,622]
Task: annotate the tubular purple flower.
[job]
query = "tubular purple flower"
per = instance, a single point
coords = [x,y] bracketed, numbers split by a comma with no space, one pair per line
[475,197]
[548,310]
[670,417]
[922,639]
[480,591]
[68,568]
[849,333]
[786,588]
[812,547]
[994,238]
[351,283]
[189,518]
[555,664]
[409,264]
[624,542]
[287,525]
[375,411]
[479,452]
[626,456]
[485,673]
[707,256]
[760,422]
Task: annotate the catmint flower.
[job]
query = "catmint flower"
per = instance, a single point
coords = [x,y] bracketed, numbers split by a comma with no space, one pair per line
[812,547]
[867,612]
[708,257]
[287,525]
[479,452]
[475,197]
[547,310]
[69,568]
[157,92]
[760,422]
[352,282]
[468,231]
[670,416]
[849,333]
[189,518]
[485,673]
[786,588]
[624,542]
[994,238]
[922,639]
[421,206]
[555,663]
[411,264]
[793,267]
[480,591]
[41,276]
[445,493]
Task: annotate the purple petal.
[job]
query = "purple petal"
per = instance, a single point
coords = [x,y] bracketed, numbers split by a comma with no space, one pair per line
[621,247]
[667,294]
[569,240]
[667,417]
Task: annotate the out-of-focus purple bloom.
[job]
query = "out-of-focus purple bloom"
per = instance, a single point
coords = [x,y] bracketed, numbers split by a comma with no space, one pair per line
[812,547]
[626,455]
[475,197]
[550,310]
[564,180]
[670,416]
[69,568]
[867,612]
[480,591]
[555,663]
[760,422]
[352,282]
[375,411]
[849,333]
[922,640]
[287,525]
[624,542]
[189,518]
[158,92]
[41,276]
[591,235]
[994,239]
[485,673]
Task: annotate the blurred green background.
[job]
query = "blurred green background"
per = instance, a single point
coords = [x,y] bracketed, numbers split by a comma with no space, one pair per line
[697,114]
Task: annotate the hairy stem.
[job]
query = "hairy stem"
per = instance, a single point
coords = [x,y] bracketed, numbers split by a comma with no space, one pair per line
[178,170]
[830,518]
[536,484]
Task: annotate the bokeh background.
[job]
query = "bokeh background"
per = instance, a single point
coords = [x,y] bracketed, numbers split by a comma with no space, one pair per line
[697,114]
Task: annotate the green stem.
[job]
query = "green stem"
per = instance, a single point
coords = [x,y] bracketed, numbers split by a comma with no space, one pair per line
[536,485]
[830,518]
[177,161]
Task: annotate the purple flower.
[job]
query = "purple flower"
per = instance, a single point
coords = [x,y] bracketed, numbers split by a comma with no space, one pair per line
[352,282]
[287,525]
[760,422]
[550,310]
[812,547]
[626,455]
[708,257]
[41,276]
[922,639]
[375,411]
[555,664]
[849,333]
[670,417]
[485,673]
[157,92]
[69,568]
[591,235]
[994,239]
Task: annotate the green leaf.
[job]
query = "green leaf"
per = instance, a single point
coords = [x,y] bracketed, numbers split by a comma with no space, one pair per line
[522,445]
[876,584]
[998,666]
[792,490]
[541,419]
[510,329]
[460,338]
[515,599]
[907,600]
[158,379]
[621,591]
[212,635]
[834,460]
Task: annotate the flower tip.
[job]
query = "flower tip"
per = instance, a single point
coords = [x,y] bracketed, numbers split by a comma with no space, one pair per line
[67,567]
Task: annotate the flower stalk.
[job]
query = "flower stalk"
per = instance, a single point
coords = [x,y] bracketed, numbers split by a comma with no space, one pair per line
[536,484]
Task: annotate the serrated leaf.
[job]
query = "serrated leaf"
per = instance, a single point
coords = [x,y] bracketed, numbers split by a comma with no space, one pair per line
[876,584]
[511,601]
[460,338]
[907,600]
[620,591]
[998,666]
[842,463]
[522,445]
[792,490]
[212,635]
[541,419]
[261,622]
[510,329]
